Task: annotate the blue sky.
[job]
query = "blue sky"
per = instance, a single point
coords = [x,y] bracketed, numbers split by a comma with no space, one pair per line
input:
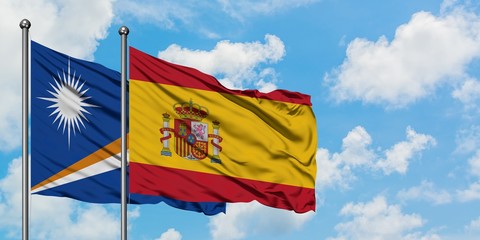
[395,89]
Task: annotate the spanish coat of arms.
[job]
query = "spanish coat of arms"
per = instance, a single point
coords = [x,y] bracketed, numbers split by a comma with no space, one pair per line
[190,133]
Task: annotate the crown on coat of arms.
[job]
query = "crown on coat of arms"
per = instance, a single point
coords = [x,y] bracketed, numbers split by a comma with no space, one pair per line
[190,110]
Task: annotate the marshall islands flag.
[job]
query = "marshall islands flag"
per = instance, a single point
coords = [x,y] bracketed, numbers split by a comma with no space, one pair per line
[75,132]
[193,139]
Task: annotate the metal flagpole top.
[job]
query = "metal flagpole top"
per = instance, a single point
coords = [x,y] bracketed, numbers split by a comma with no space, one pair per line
[122,31]
[26,24]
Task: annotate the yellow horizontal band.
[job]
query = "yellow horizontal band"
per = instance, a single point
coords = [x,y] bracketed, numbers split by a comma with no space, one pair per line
[261,139]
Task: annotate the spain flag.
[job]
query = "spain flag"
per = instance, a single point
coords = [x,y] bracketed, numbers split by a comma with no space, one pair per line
[194,140]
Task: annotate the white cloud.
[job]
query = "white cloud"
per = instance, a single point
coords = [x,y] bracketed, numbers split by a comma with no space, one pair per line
[420,236]
[243,9]
[237,63]
[52,217]
[355,150]
[11,197]
[92,222]
[398,157]
[170,234]
[411,66]
[72,27]
[134,213]
[244,219]
[377,220]
[473,226]
[337,168]
[331,171]
[170,14]
[471,231]
[161,12]
[468,140]
[470,194]
[425,191]
[448,5]
[468,93]
[474,163]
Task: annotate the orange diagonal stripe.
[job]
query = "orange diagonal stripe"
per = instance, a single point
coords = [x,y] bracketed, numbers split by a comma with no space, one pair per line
[99,155]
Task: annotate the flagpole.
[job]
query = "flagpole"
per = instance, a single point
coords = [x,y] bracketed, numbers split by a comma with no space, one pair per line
[25,26]
[123,31]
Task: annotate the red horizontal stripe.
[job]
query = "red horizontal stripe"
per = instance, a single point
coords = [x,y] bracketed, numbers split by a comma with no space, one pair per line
[203,187]
[144,67]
